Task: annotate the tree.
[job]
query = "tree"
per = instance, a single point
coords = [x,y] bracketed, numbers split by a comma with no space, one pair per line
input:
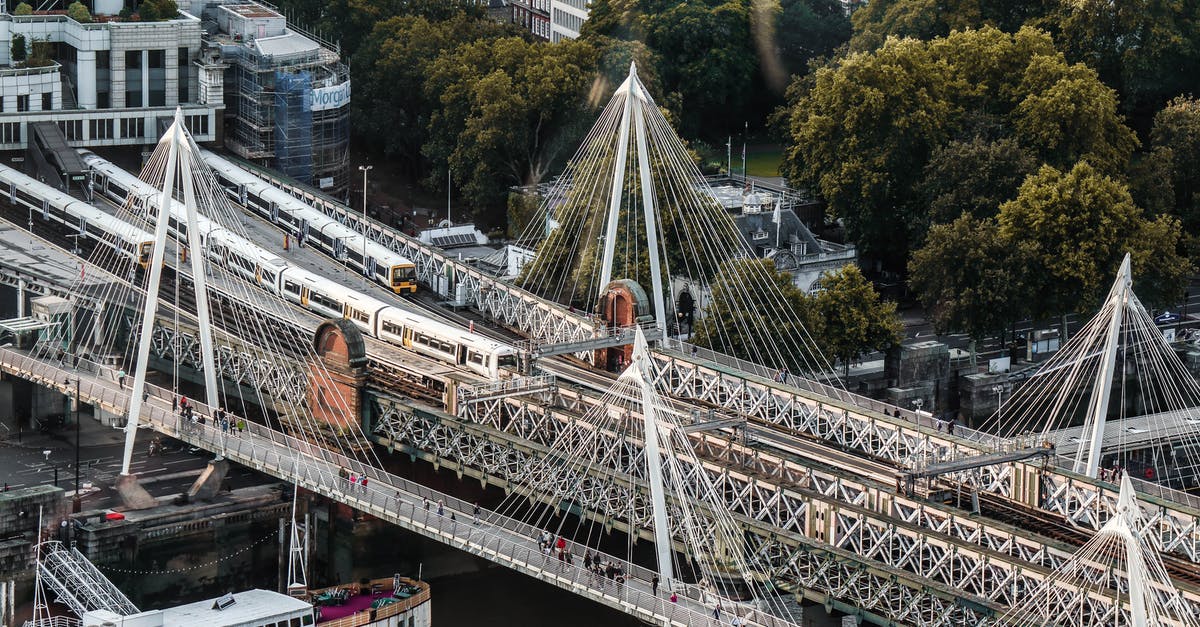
[23,8]
[351,22]
[970,278]
[809,29]
[974,176]
[1177,130]
[18,50]
[705,52]
[1079,224]
[863,130]
[391,106]
[78,12]
[510,113]
[157,10]
[856,321]
[929,19]
[744,315]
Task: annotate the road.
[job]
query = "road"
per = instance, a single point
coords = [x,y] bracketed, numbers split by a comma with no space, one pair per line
[39,457]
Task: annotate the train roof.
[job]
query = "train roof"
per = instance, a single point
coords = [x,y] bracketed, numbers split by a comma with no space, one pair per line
[297,207]
[74,206]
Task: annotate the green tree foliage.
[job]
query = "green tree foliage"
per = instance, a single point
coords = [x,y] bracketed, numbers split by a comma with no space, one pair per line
[1138,47]
[78,12]
[522,209]
[855,320]
[863,130]
[1078,225]
[970,278]
[730,322]
[1176,138]
[351,23]
[974,176]
[157,10]
[714,56]
[509,112]
[18,51]
[391,106]
[23,8]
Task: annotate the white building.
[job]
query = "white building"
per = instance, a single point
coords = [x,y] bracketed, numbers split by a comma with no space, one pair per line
[567,18]
[251,608]
[108,81]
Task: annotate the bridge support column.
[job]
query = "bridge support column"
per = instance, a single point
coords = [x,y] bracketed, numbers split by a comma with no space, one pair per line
[338,399]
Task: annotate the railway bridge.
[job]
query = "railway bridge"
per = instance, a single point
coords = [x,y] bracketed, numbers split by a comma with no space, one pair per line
[809,475]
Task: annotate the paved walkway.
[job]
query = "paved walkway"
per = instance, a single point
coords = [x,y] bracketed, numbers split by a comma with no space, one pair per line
[415,507]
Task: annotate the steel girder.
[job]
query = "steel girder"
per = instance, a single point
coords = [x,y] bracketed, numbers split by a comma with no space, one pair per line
[618,498]
[504,303]
[957,554]
[1082,501]
[281,381]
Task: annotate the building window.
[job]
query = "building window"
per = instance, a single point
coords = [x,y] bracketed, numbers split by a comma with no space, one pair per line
[133,78]
[72,129]
[156,62]
[10,133]
[133,127]
[102,101]
[197,124]
[22,103]
[101,129]
[184,69]
[47,101]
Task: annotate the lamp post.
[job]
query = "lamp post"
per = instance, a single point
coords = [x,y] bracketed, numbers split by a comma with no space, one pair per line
[76,503]
[366,225]
[999,390]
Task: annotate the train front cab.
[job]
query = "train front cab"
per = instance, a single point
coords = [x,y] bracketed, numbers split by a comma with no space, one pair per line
[404,278]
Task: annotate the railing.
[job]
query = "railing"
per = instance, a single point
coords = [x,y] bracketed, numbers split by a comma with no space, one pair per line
[985,441]
[368,615]
[505,387]
[435,514]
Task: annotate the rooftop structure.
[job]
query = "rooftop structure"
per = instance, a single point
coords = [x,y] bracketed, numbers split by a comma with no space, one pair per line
[248,608]
[282,94]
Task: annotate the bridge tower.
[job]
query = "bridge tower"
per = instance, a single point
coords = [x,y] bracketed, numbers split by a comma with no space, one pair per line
[1087,459]
[182,157]
[633,119]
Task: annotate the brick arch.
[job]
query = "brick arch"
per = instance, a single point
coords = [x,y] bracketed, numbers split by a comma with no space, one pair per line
[340,342]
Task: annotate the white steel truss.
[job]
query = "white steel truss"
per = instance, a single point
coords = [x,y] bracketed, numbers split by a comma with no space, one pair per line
[78,584]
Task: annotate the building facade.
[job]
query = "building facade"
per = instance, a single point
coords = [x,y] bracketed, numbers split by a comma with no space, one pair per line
[567,18]
[241,75]
[104,83]
[533,16]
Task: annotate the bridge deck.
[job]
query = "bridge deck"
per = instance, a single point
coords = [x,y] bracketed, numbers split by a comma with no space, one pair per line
[500,539]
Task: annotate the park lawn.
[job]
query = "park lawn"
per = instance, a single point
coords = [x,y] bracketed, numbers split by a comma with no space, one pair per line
[764,160]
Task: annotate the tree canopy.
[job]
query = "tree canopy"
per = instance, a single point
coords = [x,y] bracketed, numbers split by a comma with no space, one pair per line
[1078,225]
[855,320]
[863,129]
[970,278]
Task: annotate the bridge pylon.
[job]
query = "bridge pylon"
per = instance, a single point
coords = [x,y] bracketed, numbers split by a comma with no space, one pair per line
[182,155]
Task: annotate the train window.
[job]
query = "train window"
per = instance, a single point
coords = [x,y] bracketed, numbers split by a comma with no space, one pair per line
[291,287]
[476,358]
[324,301]
[401,274]
[391,327]
[507,361]
[361,316]
[242,263]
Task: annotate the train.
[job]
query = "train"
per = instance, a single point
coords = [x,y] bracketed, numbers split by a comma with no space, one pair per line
[412,331]
[309,225]
[131,243]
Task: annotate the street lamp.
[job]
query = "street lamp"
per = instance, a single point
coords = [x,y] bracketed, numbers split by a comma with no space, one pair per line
[76,503]
[999,390]
[366,225]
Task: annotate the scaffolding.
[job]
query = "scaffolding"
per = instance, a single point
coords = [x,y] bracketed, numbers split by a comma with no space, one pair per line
[269,117]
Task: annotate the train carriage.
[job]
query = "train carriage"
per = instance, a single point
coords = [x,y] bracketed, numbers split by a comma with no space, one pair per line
[50,204]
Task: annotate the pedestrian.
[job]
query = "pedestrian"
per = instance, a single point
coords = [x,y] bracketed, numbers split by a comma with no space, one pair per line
[441,507]
[587,559]
[174,403]
[425,502]
[674,598]
[397,497]
[476,513]
[453,518]
[224,425]
[717,611]
[950,427]
[353,480]
[694,351]
[896,413]
[121,377]
[62,355]
[654,586]
[241,425]
[362,483]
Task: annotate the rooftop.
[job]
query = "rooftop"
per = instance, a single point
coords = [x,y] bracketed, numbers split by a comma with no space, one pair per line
[251,10]
[248,606]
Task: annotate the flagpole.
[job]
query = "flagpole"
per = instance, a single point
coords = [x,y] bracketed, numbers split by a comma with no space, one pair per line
[729,156]
[744,137]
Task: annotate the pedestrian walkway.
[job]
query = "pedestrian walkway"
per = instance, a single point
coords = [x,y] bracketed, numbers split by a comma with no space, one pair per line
[505,541]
